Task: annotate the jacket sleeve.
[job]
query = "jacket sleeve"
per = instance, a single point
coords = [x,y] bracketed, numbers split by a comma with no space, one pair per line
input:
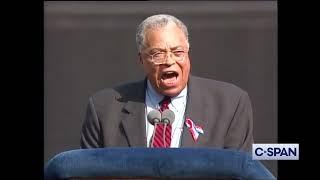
[91,129]
[240,132]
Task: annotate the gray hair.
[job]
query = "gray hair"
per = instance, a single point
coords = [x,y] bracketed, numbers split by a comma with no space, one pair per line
[155,22]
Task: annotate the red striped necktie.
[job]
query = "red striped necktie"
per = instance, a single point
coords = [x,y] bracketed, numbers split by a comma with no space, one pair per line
[162,134]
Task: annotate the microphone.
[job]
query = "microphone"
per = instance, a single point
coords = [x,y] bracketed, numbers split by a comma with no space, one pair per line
[167,117]
[154,117]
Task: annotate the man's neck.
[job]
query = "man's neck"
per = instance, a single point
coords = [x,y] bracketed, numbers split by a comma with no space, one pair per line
[154,93]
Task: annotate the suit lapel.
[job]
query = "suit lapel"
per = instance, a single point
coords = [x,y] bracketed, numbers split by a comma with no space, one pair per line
[193,111]
[134,117]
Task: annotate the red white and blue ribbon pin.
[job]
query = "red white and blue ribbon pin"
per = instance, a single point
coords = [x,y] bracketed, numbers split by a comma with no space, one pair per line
[193,129]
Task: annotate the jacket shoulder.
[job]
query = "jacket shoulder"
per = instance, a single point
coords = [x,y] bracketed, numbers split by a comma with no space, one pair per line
[120,92]
[216,86]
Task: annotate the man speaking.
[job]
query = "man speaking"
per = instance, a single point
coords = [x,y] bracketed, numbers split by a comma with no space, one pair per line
[170,107]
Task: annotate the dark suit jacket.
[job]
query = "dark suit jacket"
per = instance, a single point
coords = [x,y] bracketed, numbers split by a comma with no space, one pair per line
[116,117]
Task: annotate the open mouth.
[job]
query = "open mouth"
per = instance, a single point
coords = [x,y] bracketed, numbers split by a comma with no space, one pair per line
[169,77]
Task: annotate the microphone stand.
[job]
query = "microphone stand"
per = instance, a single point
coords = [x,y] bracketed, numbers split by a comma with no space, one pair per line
[154,132]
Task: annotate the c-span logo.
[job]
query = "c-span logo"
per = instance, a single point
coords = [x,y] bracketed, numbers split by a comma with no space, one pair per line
[275,151]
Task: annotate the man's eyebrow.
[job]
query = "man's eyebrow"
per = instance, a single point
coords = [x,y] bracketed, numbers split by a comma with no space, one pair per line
[160,49]
[176,47]
[157,49]
[154,50]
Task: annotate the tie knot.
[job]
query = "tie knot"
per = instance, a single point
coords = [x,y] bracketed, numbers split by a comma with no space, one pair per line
[164,104]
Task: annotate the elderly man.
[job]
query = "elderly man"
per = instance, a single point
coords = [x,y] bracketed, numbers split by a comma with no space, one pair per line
[207,113]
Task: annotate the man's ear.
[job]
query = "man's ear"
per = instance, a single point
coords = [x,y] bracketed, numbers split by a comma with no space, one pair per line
[140,58]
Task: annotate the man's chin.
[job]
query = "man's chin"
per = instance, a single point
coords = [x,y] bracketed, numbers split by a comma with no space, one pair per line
[171,92]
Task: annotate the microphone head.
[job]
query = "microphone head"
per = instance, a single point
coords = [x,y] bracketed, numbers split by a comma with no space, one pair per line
[167,116]
[154,116]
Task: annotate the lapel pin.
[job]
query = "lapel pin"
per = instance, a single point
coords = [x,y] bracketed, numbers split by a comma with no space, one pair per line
[194,129]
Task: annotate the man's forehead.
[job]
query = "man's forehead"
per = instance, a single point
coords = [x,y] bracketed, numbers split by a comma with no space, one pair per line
[165,43]
[170,30]
[165,38]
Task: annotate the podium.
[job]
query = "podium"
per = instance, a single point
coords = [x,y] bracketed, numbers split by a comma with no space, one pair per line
[154,163]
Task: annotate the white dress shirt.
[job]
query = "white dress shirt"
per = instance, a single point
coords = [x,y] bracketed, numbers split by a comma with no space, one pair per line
[177,105]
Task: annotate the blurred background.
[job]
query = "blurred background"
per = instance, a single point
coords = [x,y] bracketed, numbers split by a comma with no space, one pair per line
[89,46]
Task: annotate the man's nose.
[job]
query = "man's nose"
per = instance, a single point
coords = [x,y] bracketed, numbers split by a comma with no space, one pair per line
[169,60]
